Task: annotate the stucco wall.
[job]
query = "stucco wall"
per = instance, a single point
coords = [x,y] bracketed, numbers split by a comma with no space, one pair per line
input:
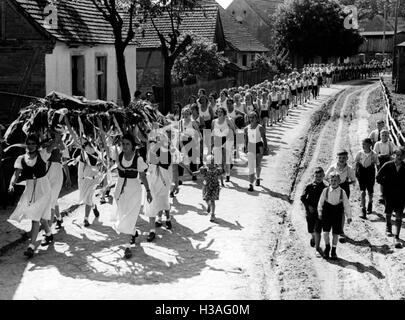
[59,69]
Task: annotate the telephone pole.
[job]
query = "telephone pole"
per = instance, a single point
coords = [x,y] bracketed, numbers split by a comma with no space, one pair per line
[394,52]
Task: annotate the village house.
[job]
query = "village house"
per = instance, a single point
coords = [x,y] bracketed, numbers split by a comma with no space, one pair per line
[375,42]
[70,50]
[256,15]
[209,21]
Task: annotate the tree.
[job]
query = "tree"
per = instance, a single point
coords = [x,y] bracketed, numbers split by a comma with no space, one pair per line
[173,43]
[312,28]
[121,15]
[201,58]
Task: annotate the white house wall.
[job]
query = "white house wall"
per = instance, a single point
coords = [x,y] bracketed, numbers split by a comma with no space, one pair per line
[59,69]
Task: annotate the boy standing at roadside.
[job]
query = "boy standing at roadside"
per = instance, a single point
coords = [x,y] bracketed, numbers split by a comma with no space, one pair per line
[392,177]
[347,177]
[366,161]
[310,199]
[384,150]
[375,135]
[333,206]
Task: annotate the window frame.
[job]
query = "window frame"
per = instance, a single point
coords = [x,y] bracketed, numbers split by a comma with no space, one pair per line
[97,56]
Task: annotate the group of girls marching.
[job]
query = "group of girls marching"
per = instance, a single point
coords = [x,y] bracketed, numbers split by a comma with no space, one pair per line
[236,122]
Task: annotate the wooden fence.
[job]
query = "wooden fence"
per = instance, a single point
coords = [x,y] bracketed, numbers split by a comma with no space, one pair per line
[396,134]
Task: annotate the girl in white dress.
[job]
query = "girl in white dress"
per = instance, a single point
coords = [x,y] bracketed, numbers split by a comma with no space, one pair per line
[35,202]
[160,179]
[88,178]
[55,177]
[128,190]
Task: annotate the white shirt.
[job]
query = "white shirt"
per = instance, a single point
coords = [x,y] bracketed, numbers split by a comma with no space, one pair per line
[346,173]
[366,159]
[334,199]
[374,136]
[384,148]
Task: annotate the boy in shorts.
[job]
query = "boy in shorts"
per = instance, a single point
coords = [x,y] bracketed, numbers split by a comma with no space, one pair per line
[366,161]
[333,206]
[310,199]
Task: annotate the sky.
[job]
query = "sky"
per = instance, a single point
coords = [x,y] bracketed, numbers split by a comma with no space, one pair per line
[224,3]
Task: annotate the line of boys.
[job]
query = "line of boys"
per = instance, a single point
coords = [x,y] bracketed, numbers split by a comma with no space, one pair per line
[327,206]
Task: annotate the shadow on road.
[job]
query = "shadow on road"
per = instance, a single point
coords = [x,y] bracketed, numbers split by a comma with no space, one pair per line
[358,267]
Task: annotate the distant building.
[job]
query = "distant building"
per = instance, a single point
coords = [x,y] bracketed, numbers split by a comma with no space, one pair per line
[374,43]
[210,21]
[257,16]
[75,57]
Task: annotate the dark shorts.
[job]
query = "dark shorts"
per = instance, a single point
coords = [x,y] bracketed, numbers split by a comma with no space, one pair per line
[313,223]
[366,178]
[256,147]
[288,102]
[294,92]
[305,88]
[332,222]
[264,114]
[283,103]
[329,76]
[299,90]
[274,105]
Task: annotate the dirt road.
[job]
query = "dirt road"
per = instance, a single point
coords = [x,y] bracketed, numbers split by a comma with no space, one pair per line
[259,247]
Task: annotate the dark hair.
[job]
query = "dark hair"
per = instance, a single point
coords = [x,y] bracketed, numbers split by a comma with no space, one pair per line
[230,100]
[137,94]
[32,137]
[319,170]
[203,91]
[130,138]
[224,111]
[368,141]
[192,97]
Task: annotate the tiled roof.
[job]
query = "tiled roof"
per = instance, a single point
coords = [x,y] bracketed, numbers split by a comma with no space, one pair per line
[78,20]
[201,21]
[264,8]
[238,36]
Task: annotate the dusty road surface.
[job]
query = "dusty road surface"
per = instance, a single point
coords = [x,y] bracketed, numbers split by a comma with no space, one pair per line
[257,249]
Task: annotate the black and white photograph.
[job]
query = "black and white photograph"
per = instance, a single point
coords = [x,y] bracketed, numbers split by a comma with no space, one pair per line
[215,151]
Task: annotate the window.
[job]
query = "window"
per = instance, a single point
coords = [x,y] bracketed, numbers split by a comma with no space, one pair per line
[252,57]
[78,76]
[244,60]
[101,74]
[3,20]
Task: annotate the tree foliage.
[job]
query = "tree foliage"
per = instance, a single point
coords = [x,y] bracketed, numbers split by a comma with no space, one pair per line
[201,58]
[315,28]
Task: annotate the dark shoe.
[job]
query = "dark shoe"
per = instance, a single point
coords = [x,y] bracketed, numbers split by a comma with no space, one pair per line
[127,253]
[250,187]
[398,245]
[96,212]
[369,208]
[388,231]
[103,201]
[212,219]
[133,238]
[320,252]
[194,178]
[29,253]
[151,236]
[326,251]
[158,224]
[168,225]
[312,242]
[364,213]
[171,194]
[258,182]
[227,178]
[86,223]
[342,238]
[47,240]
[59,224]
[333,254]
[180,182]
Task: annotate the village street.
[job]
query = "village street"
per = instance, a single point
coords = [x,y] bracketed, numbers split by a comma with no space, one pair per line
[257,249]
